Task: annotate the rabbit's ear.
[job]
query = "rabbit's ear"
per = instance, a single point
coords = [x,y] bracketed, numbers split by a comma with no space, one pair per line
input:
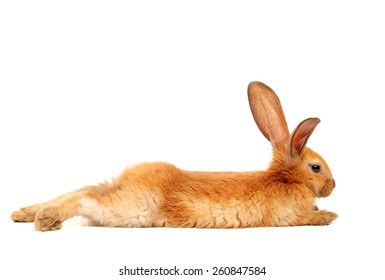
[301,134]
[268,114]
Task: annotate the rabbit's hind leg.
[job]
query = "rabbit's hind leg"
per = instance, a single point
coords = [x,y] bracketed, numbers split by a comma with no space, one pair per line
[56,211]
[26,214]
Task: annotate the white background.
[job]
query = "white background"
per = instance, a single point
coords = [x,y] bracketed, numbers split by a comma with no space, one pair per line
[87,88]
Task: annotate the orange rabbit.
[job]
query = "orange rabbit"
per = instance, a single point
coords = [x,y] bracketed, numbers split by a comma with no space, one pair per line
[161,195]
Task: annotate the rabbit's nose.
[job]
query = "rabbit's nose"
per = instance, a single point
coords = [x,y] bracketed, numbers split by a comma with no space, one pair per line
[334,183]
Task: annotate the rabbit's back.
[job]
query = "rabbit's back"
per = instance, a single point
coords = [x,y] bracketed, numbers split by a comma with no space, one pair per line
[159,194]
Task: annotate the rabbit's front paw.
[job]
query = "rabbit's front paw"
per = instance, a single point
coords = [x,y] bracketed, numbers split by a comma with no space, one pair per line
[48,219]
[322,218]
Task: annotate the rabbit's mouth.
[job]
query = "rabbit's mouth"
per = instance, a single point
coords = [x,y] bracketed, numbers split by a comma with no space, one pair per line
[328,188]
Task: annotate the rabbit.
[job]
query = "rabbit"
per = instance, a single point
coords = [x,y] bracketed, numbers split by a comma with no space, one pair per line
[161,195]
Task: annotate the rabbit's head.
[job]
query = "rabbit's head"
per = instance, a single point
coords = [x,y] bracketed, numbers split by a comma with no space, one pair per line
[292,162]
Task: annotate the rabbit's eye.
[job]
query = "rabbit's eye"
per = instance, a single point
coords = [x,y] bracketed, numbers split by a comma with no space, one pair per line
[316,168]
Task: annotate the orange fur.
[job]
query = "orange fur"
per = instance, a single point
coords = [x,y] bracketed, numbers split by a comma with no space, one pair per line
[159,194]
